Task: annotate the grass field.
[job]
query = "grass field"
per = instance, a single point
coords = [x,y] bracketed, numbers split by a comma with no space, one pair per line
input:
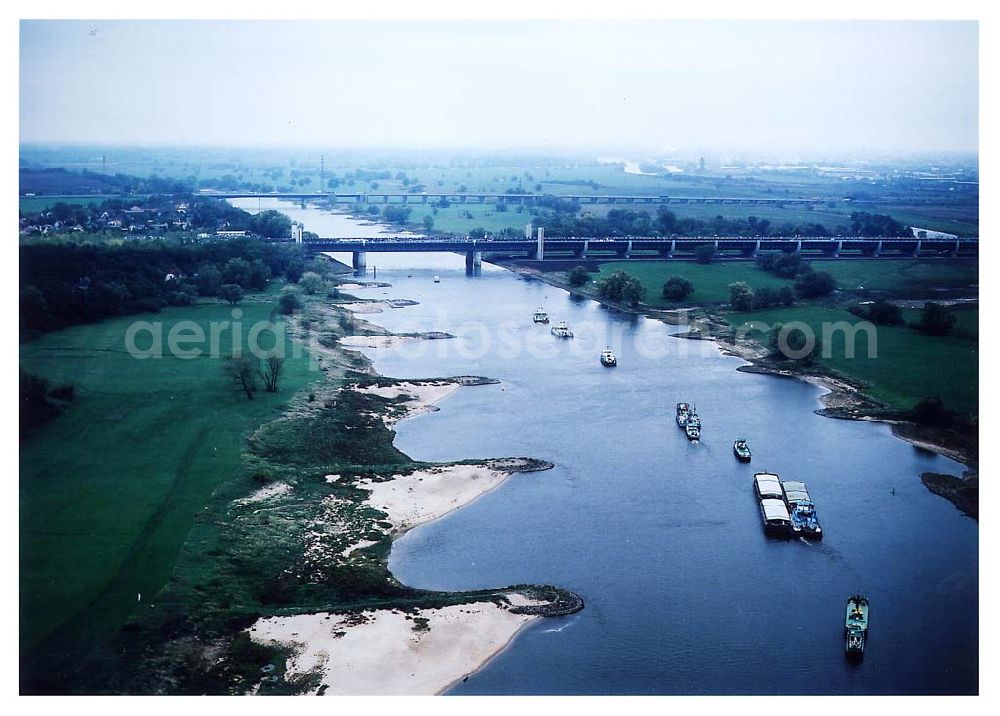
[904,365]
[711,281]
[901,278]
[109,489]
[33,204]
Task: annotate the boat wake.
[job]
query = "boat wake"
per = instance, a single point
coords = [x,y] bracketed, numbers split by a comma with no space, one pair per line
[558,629]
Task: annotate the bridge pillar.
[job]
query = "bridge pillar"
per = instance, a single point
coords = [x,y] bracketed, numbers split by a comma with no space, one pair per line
[586,247]
[673,247]
[302,203]
[628,249]
[540,248]
[878,248]
[473,262]
[385,199]
[954,251]
[798,246]
[756,247]
[359,261]
[406,199]
[916,251]
[423,199]
[839,247]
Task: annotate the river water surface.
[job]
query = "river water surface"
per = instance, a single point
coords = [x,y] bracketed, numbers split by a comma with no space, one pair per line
[662,537]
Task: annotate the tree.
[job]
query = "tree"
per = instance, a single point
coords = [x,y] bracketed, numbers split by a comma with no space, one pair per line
[270,372]
[231,292]
[208,279]
[294,268]
[704,253]
[814,284]
[271,224]
[290,301]
[931,411]
[428,222]
[881,313]
[677,288]
[741,296]
[794,344]
[238,271]
[243,369]
[311,282]
[935,320]
[260,274]
[35,314]
[620,286]
[578,276]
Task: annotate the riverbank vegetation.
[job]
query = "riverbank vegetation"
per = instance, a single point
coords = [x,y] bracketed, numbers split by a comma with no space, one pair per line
[144,566]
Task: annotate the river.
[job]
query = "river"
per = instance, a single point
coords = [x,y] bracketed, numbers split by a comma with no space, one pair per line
[662,537]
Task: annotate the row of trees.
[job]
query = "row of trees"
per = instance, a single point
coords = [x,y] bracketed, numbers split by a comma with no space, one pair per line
[562,218]
[67,284]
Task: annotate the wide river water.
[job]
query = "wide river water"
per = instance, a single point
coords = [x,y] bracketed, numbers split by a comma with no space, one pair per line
[662,537]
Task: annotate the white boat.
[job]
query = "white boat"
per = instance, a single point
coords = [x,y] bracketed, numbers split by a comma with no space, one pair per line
[608,358]
[437,279]
[561,330]
[540,316]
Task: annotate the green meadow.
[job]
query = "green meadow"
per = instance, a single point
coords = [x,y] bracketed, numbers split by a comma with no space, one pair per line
[110,488]
[899,365]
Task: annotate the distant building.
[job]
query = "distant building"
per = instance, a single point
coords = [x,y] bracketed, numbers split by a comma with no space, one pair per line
[701,164]
[230,233]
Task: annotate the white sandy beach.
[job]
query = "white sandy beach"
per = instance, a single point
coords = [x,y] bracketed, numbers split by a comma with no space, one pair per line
[422,396]
[425,495]
[390,652]
[374,341]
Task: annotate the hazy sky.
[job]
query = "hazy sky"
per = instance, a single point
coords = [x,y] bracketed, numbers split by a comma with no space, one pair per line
[656,85]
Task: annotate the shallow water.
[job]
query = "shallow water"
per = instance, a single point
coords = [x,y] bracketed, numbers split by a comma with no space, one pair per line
[660,536]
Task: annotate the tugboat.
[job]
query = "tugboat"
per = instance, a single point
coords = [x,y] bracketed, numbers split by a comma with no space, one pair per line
[805,523]
[608,358]
[856,627]
[437,279]
[741,450]
[561,330]
[683,410]
[693,427]
[540,316]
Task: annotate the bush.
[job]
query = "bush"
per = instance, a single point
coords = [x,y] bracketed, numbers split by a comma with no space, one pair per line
[290,301]
[935,320]
[231,292]
[795,342]
[881,313]
[814,284]
[677,288]
[704,253]
[931,411]
[311,282]
[578,276]
[741,296]
[621,287]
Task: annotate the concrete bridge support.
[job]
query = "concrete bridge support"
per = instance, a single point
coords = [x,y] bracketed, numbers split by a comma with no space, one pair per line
[359,261]
[628,250]
[540,247]
[586,247]
[916,251]
[837,249]
[798,246]
[954,251]
[878,249]
[473,262]
[756,247]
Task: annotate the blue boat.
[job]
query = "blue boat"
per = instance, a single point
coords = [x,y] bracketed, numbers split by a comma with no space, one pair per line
[801,510]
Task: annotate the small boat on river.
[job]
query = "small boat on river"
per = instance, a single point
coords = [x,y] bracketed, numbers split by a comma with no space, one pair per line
[693,427]
[741,450]
[856,627]
[561,330]
[608,358]
[540,316]
[683,410]
[805,522]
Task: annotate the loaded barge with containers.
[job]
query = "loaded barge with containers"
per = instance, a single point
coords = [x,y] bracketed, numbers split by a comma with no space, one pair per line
[771,498]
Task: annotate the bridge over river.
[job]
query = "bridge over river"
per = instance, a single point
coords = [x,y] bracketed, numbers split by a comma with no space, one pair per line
[526,199]
[635,247]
